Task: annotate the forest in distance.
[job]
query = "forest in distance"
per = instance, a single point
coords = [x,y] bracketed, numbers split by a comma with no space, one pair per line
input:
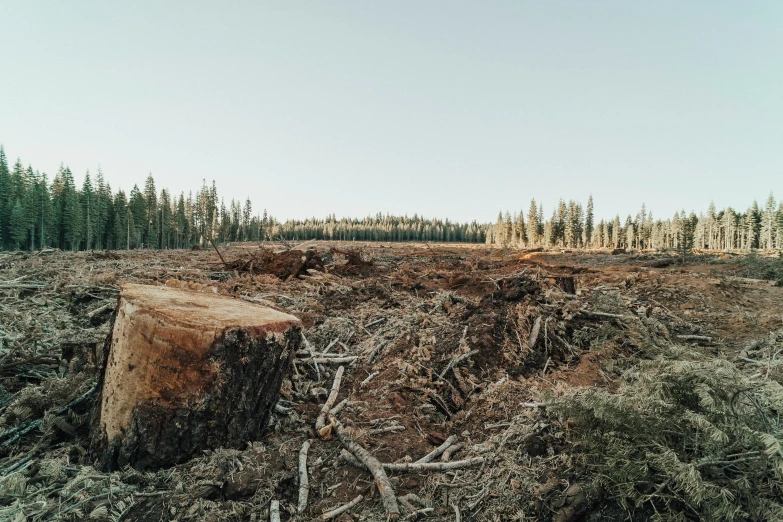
[37,213]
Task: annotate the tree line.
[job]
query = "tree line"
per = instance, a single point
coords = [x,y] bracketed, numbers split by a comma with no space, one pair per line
[36,213]
[573,226]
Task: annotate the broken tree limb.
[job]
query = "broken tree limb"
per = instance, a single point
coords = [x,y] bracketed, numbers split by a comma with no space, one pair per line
[455,361]
[416,466]
[533,337]
[312,356]
[218,253]
[304,481]
[372,464]
[340,405]
[107,306]
[451,450]
[320,422]
[433,466]
[432,455]
[368,379]
[605,314]
[387,429]
[342,509]
[332,360]
[274,511]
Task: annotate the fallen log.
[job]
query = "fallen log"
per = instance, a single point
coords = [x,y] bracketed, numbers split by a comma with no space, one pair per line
[185,372]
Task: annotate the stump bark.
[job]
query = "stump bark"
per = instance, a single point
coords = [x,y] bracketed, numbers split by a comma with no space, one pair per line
[186,371]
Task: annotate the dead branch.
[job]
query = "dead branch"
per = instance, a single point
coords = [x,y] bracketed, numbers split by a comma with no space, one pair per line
[432,455]
[340,405]
[304,482]
[451,450]
[342,509]
[99,310]
[373,465]
[533,337]
[274,511]
[368,379]
[338,378]
[312,356]
[433,466]
[455,361]
[219,254]
[387,429]
[416,466]
[348,359]
[604,314]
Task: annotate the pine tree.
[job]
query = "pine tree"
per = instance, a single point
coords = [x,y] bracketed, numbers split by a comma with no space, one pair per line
[18,227]
[588,236]
[533,236]
[5,195]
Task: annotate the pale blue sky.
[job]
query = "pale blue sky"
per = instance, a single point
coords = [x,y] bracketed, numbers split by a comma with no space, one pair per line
[449,109]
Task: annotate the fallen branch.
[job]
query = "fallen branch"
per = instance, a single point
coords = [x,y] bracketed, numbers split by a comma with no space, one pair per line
[604,314]
[433,466]
[387,429]
[107,306]
[533,337]
[340,405]
[312,356]
[219,254]
[342,509]
[432,455]
[304,482]
[274,511]
[416,466]
[385,488]
[320,422]
[451,450]
[377,321]
[374,353]
[455,361]
[368,379]
[332,360]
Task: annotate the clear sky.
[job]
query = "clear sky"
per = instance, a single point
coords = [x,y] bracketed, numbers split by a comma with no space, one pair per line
[449,109]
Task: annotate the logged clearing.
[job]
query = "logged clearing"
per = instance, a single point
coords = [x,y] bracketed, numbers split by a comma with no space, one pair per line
[489,384]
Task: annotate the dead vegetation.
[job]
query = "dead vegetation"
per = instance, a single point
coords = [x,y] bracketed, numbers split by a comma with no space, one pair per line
[434,382]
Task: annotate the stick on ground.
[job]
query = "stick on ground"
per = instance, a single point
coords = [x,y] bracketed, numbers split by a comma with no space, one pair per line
[320,422]
[373,465]
[342,509]
[304,481]
[274,511]
[432,455]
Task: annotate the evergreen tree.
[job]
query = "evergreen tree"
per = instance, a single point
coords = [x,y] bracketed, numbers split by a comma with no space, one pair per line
[18,227]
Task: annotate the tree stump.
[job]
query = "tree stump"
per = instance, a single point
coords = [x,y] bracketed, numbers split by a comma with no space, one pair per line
[186,371]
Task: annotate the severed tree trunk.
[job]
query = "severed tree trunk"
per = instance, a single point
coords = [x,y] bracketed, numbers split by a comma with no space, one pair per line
[186,371]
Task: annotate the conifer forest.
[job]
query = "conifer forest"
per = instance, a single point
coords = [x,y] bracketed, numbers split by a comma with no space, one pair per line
[36,213]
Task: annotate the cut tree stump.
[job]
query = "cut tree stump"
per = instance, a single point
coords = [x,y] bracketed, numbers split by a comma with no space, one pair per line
[184,372]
